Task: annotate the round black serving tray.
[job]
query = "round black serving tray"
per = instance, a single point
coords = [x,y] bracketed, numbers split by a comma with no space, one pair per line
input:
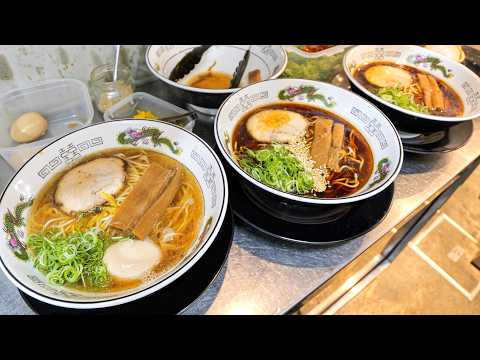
[362,217]
[444,141]
[173,298]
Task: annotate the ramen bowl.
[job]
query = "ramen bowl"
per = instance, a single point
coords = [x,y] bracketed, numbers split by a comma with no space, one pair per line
[270,60]
[134,135]
[381,136]
[464,82]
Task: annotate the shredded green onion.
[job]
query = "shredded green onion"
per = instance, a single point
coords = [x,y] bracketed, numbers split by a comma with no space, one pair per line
[72,258]
[401,98]
[277,167]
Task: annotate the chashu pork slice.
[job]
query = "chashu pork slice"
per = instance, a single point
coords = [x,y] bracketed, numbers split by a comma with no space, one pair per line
[281,126]
[81,187]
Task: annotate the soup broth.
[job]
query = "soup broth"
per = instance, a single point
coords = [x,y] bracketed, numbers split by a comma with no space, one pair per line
[453,105]
[211,80]
[181,220]
[361,164]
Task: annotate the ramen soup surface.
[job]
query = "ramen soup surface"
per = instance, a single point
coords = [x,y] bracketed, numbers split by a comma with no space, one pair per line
[211,80]
[175,232]
[453,105]
[348,166]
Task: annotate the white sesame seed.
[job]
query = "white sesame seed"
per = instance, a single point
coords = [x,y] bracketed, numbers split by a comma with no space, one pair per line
[301,150]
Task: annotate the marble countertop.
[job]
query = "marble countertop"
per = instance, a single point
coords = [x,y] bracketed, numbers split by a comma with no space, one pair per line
[264,275]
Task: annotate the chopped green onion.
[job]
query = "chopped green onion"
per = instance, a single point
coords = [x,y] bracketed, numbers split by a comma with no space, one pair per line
[401,98]
[277,167]
[71,258]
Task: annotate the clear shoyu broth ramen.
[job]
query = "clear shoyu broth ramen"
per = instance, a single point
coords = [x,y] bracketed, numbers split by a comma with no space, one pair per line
[117,219]
[302,150]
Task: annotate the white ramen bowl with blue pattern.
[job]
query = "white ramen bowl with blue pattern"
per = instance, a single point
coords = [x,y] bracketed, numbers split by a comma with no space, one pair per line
[270,60]
[377,129]
[62,154]
[460,78]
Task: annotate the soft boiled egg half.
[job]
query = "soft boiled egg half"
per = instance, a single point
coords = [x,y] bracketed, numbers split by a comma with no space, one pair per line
[281,126]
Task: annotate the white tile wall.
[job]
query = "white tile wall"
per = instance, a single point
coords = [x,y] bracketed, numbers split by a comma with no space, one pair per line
[20,65]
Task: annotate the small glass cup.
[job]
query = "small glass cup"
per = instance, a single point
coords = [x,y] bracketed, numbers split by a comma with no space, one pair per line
[106,92]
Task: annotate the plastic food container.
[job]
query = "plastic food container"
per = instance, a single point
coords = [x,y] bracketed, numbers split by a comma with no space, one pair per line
[129,106]
[65,103]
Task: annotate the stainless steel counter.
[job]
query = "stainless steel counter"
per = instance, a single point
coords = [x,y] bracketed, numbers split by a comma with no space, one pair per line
[264,275]
[268,276]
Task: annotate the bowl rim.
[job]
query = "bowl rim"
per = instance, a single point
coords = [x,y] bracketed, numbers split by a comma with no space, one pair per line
[210,91]
[153,287]
[446,119]
[459,47]
[343,200]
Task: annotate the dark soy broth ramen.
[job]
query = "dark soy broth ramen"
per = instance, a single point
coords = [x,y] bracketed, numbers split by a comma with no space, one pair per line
[453,105]
[182,217]
[242,139]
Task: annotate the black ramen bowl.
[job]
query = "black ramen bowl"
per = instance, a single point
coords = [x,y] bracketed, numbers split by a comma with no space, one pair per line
[291,210]
[199,99]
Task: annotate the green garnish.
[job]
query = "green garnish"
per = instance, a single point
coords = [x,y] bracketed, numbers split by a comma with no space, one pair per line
[322,68]
[277,167]
[71,258]
[401,98]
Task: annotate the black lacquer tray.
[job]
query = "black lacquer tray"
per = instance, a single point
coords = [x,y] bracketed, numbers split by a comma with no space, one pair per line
[442,141]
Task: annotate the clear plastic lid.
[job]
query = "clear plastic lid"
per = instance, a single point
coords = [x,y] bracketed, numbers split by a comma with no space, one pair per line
[140,101]
[65,103]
